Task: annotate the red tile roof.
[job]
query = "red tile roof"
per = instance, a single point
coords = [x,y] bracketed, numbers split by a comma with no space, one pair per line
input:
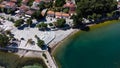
[118,3]
[14,0]
[38,1]
[24,7]
[11,4]
[25,1]
[69,4]
[51,12]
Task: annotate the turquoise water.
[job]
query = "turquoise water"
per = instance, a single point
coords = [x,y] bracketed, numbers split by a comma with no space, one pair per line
[98,48]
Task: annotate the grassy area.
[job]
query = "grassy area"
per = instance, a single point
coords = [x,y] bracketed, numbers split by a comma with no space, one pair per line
[10,60]
[29,61]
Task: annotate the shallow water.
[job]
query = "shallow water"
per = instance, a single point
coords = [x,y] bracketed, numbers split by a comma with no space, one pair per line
[98,48]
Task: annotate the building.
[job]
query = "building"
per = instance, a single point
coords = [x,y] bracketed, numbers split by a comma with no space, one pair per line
[23,8]
[11,5]
[51,14]
[58,14]
[71,6]
[25,2]
[36,2]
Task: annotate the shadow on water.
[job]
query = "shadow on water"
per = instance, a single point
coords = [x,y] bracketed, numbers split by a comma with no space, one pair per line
[85,28]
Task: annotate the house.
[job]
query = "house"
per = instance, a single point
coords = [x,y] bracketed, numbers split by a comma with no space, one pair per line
[36,2]
[65,15]
[29,12]
[44,12]
[25,2]
[118,6]
[10,5]
[13,0]
[61,15]
[71,6]
[47,0]
[58,14]
[50,13]
[23,8]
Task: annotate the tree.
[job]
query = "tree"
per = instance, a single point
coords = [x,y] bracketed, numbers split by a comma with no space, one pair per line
[50,24]
[37,15]
[95,8]
[42,26]
[41,6]
[30,2]
[4,40]
[60,23]
[66,10]
[49,4]
[76,21]
[19,22]
[59,3]
[40,43]
[29,22]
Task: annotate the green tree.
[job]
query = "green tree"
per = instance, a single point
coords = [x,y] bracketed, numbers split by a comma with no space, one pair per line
[40,43]
[66,10]
[42,26]
[37,15]
[76,21]
[18,23]
[60,23]
[29,22]
[41,6]
[4,40]
[59,3]
[50,24]
[30,2]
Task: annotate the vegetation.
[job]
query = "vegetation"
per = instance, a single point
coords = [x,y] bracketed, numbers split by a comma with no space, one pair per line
[66,10]
[93,9]
[30,2]
[60,23]
[31,62]
[40,43]
[59,3]
[19,22]
[37,15]
[42,26]
[29,22]
[4,40]
[50,24]
[41,6]
[49,5]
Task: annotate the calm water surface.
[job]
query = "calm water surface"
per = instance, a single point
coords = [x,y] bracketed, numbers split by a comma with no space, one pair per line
[98,48]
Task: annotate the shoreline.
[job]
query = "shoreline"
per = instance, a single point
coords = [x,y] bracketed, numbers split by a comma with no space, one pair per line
[91,26]
[72,34]
[53,49]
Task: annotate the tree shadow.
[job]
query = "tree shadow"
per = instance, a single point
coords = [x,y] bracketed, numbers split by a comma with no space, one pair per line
[85,28]
[33,25]
[22,27]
